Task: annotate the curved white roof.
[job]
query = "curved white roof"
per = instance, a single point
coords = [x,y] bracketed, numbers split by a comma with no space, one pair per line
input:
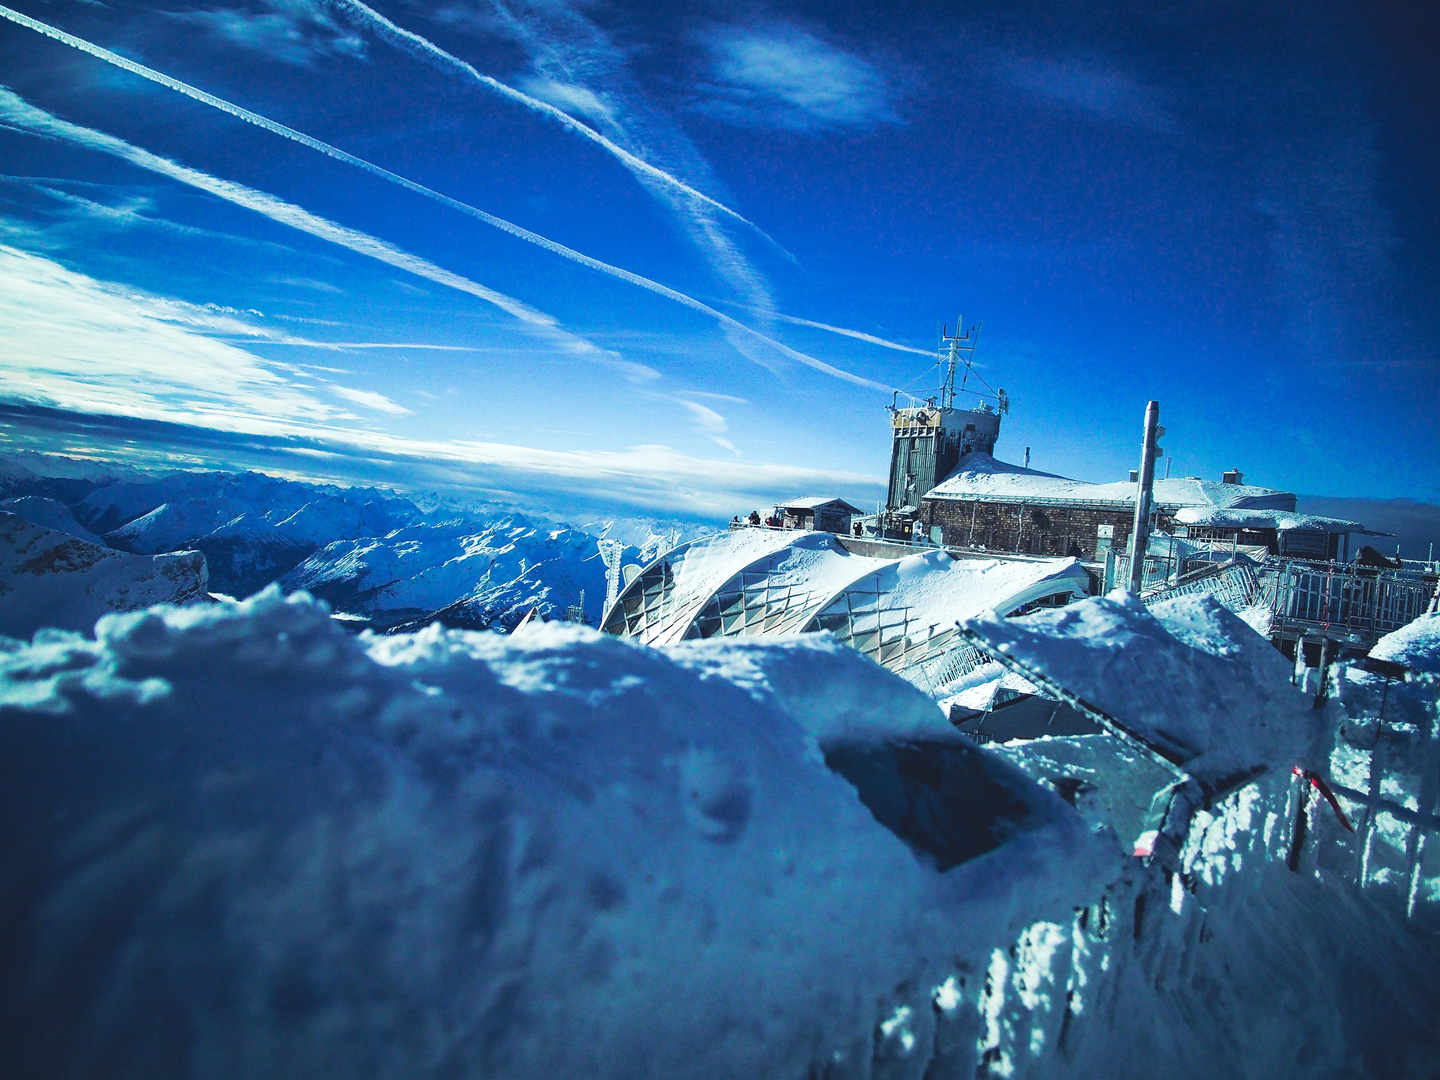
[903,612]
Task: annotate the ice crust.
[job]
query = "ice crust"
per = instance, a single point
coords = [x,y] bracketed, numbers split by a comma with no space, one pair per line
[1186,672]
[235,840]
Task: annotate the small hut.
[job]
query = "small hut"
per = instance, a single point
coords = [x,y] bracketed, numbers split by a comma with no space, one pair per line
[817,512]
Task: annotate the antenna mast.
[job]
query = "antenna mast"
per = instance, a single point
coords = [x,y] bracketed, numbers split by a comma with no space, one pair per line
[956,347]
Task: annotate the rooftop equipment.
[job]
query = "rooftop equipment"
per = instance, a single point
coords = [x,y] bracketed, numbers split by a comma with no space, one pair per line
[932,435]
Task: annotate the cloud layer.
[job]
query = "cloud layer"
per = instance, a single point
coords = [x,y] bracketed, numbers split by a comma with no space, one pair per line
[100,369]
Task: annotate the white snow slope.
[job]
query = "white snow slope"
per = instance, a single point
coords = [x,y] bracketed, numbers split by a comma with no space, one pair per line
[52,579]
[236,841]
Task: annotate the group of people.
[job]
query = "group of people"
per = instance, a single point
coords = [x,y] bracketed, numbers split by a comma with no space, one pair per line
[754,519]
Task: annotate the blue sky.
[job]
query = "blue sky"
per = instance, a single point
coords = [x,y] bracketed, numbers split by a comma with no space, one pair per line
[674,255]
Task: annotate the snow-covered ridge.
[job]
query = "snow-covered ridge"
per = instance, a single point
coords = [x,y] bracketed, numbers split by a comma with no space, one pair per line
[555,855]
[49,578]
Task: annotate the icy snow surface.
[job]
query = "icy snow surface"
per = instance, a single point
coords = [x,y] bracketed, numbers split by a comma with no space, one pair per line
[52,579]
[235,840]
[1416,645]
[1186,672]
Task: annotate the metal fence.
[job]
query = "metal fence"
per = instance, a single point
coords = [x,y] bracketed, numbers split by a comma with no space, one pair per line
[1337,600]
[1348,600]
[1401,759]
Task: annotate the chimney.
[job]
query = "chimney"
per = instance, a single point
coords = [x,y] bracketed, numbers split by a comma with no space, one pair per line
[1233,476]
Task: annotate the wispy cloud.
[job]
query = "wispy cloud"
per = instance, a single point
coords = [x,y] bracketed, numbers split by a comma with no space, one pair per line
[75,343]
[295,31]
[782,77]
[573,57]
[307,283]
[426,49]
[71,218]
[858,335]
[28,118]
[709,423]
[759,346]
[369,399]
[650,477]
[1091,87]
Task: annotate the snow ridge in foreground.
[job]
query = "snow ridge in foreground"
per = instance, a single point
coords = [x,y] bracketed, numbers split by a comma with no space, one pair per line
[238,841]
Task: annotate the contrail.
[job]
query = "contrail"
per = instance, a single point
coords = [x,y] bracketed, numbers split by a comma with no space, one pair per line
[27,117]
[857,334]
[385,174]
[411,42]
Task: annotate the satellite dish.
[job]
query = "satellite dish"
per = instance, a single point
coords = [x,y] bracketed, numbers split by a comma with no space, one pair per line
[629,572]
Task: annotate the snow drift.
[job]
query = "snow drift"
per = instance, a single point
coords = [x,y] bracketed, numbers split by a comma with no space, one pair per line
[1187,674]
[236,841]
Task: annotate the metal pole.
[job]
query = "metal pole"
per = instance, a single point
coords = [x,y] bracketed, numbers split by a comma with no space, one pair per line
[1140,536]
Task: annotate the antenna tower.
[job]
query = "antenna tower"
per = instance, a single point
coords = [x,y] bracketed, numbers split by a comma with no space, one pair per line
[955,349]
[611,553]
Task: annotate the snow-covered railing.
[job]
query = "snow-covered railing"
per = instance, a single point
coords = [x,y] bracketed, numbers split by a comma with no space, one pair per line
[1393,748]
[1232,583]
[1340,598]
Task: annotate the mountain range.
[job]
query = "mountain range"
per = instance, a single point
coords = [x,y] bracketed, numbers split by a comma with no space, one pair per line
[378,558]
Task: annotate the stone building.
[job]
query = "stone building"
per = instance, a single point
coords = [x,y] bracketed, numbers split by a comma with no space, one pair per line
[1002,507]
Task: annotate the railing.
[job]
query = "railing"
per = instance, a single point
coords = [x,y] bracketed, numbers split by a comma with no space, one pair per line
[1398,751]
[1344,599]
[1333,599]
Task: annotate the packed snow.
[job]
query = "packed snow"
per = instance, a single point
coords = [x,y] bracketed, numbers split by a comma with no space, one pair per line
[1416,645]
[240,840]
[285,850]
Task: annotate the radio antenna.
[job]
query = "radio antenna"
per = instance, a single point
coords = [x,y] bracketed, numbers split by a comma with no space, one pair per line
[955,349]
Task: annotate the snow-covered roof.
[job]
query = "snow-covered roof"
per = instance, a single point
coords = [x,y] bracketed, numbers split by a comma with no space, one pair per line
[814,502]
[980,477]
[1263,519]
